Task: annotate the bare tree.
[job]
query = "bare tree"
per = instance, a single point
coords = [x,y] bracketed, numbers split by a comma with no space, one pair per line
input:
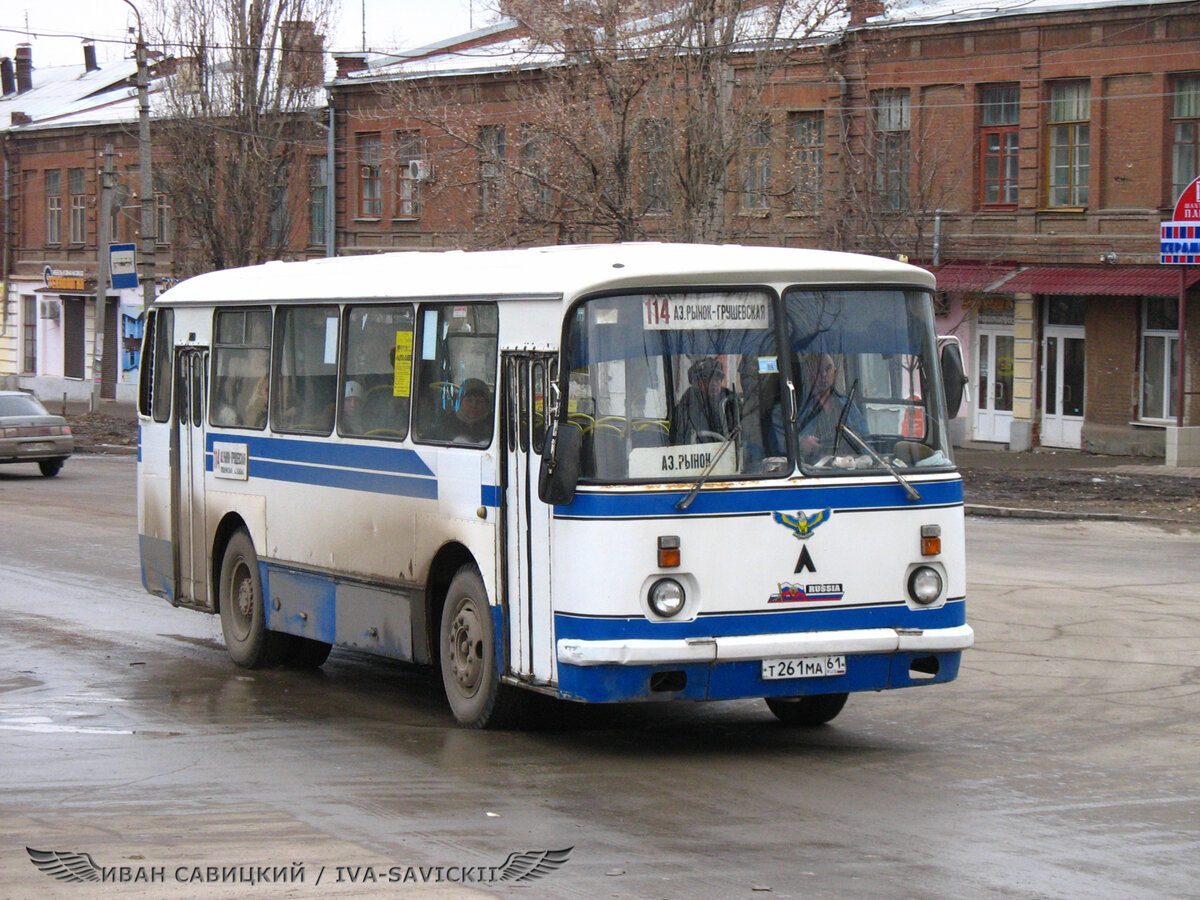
[628,116]
[243,102]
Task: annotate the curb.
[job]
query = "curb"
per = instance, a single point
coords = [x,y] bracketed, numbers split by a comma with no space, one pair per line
[1011,512]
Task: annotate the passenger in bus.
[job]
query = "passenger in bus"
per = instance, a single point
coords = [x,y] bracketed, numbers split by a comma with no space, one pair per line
[472,420]
[705,411]
[816,426]
[352,409]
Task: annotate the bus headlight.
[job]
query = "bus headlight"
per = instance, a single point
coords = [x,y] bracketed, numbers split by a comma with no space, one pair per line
[924,585]
[666,597]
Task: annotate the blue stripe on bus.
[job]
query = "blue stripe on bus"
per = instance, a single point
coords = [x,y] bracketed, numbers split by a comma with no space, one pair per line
[348,479]
[595,628]
[721,502]
[393,460]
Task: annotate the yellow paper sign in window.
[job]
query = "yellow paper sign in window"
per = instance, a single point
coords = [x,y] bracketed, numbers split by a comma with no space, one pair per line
[402,365]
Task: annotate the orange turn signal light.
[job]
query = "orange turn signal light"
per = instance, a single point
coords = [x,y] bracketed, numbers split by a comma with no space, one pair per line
[668,551]
[931,540]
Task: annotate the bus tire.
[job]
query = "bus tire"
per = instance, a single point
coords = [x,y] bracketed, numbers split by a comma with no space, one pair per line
[243,618]
[467,652]
[306,653]
[815,709]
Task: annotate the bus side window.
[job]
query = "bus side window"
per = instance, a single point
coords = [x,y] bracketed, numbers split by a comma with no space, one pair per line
[160,383]
[241,359]
[377,381]
[456,374]
[305,370]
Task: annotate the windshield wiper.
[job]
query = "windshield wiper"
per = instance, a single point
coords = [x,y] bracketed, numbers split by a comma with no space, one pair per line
[912,492]
[691,495]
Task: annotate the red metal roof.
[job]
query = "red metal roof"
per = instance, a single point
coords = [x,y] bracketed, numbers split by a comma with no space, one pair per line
[1126,281]
[970,276]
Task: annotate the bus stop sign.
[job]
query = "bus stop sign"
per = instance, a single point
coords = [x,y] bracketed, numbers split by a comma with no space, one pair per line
[122,265]
[1180,244]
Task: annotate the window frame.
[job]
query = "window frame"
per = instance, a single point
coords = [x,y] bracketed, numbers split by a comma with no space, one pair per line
[410,146]
[369,153]
[808,160]
[54,205]
[77,220]
[493,152]
[1070,133]
[1185,113]
[891,114]
[756,169]
[1168,359]
[999,118]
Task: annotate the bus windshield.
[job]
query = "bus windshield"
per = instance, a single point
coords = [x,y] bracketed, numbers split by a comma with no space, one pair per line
[679,385]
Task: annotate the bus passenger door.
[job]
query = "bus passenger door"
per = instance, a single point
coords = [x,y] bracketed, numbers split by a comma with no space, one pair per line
[187,491]
[526,518]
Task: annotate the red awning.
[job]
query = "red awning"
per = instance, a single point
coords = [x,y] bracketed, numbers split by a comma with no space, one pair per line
[968,276]
[1125,281]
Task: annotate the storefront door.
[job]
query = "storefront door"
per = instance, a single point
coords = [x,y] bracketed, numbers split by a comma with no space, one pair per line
[994,380]
[1063,373]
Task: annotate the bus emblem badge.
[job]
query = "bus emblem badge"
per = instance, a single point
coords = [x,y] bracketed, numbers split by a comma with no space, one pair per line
[801,525]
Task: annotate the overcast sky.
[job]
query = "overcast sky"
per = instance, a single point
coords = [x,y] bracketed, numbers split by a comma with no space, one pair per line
[58,25]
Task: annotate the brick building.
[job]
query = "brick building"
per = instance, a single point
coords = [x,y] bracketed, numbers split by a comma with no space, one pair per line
[1025,151]
[55,125]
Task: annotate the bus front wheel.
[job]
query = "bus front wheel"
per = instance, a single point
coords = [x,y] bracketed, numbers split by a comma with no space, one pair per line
[467,651]
[815,709]
[243,618]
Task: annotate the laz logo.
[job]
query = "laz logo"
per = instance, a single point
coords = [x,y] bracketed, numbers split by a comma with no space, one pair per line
[802,525]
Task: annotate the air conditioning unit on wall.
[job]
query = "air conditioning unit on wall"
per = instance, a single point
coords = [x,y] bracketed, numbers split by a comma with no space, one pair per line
[48,309]
[420,170]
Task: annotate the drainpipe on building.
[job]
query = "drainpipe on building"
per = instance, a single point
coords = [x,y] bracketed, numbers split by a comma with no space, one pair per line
[330,206]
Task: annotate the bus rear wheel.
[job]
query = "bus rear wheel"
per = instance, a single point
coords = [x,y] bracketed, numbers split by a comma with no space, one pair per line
[815,709]
[243,618]
[467,652]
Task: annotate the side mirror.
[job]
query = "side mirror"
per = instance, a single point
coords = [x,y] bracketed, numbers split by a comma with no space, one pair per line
[560,464]
[953,378]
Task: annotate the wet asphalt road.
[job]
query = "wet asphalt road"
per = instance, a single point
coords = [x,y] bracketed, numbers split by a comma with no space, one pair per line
[1062,763]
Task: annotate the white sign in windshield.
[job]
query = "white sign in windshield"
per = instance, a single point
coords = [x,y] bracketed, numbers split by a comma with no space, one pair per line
[691,312]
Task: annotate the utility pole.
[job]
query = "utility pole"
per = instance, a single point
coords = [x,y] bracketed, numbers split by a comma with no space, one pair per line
[108,181]
[147,235]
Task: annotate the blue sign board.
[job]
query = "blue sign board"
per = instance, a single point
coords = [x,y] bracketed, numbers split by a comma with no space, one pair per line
[122,265]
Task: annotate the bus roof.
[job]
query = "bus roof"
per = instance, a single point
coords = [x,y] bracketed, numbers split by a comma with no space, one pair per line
[537,272]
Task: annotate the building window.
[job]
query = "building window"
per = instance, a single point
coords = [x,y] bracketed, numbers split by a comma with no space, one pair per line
[76,185]
[808,159]
[163,223]
[493,148]
[279,217]
[318,196]
[999,142]
[1185,132]
[656,196]
[370,176]
[756,168]
[1068,143]
[29,311]
[53,206]
[534,185]
[411,169]
[891,114]
[1160,357]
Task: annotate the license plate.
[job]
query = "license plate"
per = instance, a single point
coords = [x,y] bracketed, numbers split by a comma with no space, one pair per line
[803,667]
[37,447]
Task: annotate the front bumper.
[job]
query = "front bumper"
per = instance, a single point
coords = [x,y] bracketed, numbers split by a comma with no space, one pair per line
[647,652]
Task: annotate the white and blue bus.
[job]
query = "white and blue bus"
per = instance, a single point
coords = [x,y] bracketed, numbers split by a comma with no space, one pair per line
[605,473]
